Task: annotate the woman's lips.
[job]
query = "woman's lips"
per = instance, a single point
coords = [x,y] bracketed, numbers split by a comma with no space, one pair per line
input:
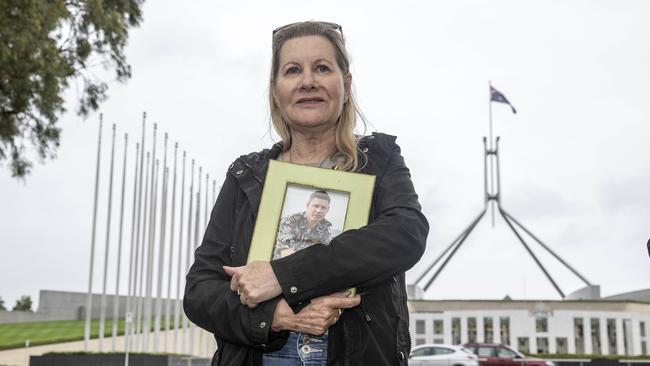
[309,101]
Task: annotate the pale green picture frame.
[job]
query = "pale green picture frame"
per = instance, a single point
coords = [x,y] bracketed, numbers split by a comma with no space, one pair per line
[282,174]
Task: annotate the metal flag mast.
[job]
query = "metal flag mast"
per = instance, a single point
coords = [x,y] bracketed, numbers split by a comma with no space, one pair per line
[492,199]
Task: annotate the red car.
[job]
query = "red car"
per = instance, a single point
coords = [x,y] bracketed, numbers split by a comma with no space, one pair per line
[491,354]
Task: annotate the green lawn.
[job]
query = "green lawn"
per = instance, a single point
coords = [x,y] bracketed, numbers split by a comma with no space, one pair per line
[14,335]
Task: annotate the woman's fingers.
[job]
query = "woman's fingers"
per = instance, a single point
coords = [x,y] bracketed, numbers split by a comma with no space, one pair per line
[233,272]
[322,313]
[340,302]
[314,326]
[256,280]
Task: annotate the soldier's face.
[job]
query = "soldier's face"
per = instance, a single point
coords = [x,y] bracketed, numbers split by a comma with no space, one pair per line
[317,209]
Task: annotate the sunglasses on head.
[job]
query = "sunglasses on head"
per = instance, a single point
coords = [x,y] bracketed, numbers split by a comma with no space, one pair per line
[334,26]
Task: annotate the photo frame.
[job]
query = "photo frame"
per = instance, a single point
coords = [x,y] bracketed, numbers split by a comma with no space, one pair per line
[287,180]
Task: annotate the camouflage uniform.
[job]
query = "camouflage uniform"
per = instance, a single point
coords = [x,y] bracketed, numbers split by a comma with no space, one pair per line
[294,234]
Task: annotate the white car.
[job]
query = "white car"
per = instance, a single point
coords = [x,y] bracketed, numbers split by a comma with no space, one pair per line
[442,355]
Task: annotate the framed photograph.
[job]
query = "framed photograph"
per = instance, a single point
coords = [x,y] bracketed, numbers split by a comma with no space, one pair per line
[303,205]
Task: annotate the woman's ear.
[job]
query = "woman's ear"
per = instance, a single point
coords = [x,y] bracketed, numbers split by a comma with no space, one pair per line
[347,86]
[275,97]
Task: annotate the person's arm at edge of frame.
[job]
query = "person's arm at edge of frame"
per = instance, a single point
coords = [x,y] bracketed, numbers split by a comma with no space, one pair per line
[208,300]
[368,256]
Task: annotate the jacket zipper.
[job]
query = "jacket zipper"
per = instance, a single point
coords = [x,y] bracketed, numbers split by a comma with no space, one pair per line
[364,312]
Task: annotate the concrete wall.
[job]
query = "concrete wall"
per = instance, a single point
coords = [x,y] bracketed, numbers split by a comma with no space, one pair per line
[65,305]
[24,316]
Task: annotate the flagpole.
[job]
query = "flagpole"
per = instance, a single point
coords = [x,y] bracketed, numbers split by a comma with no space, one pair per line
[197,224]
[139,224]
[171,253]
[146,330]
[116,303]
[161,249]
[490,107]
[128,318]
[180,256]
[102,314]
[89,296]
[190,201]
[143,245]
[491,158]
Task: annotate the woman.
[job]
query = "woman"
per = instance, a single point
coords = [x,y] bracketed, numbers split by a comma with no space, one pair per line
[253,309]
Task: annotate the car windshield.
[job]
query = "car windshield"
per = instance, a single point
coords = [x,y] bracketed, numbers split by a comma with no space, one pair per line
[466,350]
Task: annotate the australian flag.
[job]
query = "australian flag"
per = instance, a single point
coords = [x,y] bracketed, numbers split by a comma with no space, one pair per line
[497,96]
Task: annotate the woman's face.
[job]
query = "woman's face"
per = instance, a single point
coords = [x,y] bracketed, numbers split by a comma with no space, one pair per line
[310,89]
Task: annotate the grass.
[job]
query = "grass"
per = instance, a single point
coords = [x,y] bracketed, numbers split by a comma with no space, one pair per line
[14,335]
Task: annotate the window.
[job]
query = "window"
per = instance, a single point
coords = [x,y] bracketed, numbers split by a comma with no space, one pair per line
[579,335]
[426,351]
[644,348]
[642,328]
[611,336]
[488,330]
[486,352]
[627,336]
[542,345]
[541,324]
[419,341]
[505,353]
[471,330]
[443,351]
[438,326]
[438,341]
[523,344]
[561,345]
[419,327]
[505,330]
[455,330]
[595,336]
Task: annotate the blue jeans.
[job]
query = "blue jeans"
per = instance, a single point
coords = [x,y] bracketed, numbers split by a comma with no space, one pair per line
[300,350]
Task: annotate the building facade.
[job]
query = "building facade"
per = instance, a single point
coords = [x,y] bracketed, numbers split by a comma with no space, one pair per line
[598,327]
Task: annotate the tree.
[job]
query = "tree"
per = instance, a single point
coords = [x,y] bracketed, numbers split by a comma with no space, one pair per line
[2,304]
[46,44]
[23,304]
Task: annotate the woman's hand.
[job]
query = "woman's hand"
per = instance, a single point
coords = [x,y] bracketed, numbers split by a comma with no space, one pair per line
[254,282]
[315,318]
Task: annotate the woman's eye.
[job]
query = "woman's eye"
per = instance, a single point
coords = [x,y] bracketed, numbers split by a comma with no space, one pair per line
[322,68]
[292,70]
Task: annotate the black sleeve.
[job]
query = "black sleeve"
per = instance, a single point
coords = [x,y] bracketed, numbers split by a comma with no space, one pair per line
[209,302]
[389,245]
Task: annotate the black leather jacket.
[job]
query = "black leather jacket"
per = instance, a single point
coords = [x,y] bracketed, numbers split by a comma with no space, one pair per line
[373,259]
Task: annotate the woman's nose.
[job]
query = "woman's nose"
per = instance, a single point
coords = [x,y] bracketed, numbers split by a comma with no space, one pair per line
[308,81]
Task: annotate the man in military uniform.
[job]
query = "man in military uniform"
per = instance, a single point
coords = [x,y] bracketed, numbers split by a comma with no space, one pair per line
[304,229]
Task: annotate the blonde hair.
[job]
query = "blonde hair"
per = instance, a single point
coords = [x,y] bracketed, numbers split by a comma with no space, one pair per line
[345,139]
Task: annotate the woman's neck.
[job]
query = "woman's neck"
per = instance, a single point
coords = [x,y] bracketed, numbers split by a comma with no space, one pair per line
[310,148]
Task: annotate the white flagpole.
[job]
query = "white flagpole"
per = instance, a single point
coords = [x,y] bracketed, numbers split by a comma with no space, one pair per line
[197,221]
[190,200]
[102,313]
[161,251]
[171,253]
[135,278]
[152,234]
[491,156]
[143,246]
[116,303]
[205,214]
[128,321]
[180,256]
[89,296]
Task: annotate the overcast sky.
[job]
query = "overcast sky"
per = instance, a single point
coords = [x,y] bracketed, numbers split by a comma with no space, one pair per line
[575,159]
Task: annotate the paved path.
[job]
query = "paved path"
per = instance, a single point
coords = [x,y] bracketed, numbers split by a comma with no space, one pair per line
[204,346]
